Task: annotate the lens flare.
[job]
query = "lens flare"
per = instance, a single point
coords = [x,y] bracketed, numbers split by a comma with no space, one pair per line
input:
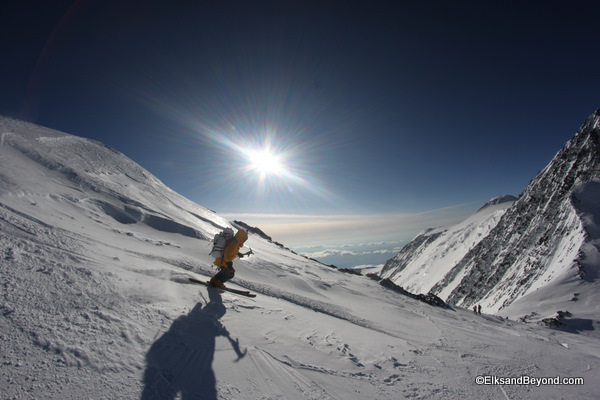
[254,158]
[265,162]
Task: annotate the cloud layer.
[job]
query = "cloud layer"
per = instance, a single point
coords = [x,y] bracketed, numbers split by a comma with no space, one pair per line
[329,231]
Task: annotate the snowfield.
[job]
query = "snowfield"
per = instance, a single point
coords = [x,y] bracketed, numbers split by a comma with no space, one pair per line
[95,303]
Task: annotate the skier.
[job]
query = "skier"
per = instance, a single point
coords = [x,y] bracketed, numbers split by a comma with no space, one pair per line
[225,263]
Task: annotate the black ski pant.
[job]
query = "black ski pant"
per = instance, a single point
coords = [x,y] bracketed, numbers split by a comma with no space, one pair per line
[226,273]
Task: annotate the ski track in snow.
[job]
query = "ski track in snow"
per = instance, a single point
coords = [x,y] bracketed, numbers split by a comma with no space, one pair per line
[306,302]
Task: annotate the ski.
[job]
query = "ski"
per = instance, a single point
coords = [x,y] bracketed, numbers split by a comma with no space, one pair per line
[236,291]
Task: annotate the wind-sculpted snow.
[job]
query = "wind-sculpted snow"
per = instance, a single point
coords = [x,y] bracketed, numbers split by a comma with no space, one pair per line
[129,215]
[87,172]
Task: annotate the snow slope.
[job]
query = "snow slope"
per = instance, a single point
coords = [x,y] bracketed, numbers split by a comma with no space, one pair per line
[95,303]
[433,253]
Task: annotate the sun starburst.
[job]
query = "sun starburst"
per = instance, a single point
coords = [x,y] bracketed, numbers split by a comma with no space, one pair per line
[265,162]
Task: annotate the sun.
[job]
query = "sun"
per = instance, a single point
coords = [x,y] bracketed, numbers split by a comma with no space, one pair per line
[265,162]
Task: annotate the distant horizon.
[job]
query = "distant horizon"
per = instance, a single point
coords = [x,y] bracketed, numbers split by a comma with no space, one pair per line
[350,250]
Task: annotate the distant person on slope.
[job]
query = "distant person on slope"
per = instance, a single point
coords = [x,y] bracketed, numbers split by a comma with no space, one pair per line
[225,263]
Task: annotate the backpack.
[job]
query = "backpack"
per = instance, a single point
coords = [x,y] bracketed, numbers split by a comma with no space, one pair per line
[220,241]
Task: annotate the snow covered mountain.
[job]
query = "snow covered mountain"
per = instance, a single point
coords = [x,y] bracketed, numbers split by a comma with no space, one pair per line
[95,302]
[430,256]
[537,256]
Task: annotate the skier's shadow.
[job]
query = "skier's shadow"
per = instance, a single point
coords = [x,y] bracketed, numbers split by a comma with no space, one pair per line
[178,365]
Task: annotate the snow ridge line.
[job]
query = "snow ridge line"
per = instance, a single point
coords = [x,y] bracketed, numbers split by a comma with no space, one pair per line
[312,304]
[26,217]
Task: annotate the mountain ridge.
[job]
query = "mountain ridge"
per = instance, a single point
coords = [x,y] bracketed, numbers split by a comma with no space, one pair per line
[539,239]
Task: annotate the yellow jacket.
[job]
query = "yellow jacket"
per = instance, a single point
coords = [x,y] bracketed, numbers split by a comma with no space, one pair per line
[232,248]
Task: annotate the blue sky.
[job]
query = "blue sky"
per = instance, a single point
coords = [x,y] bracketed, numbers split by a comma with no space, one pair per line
[381,118]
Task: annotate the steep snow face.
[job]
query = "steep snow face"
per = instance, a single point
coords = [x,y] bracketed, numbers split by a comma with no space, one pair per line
[499,200]
[95,302]
[96,180]
[541,239]
[431,255]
